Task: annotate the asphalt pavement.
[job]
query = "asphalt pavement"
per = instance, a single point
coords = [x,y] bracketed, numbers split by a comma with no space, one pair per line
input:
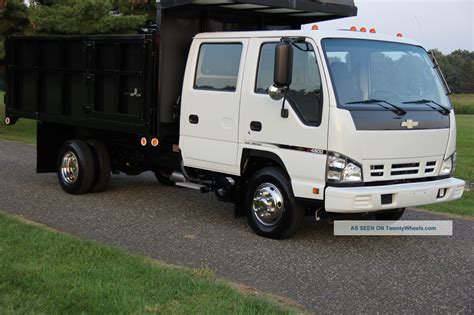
[325,273]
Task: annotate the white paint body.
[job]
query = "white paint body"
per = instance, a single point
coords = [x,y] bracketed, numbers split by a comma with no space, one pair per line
[217,142]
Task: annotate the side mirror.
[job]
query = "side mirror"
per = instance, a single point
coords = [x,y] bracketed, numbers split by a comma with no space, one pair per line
[276,93]
[283,75]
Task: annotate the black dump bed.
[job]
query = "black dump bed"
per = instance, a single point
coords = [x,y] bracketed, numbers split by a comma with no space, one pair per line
[132,83]
[91,81]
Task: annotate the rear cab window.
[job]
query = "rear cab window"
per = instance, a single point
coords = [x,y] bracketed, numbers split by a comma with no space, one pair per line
[218,67]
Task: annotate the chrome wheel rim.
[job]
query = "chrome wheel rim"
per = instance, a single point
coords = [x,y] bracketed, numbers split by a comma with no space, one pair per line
[268,205]
[70,168]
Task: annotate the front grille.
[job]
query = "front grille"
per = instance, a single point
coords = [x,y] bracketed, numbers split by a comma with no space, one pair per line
[406,165]
[430,167]
[376,170]
[379,171]
[405,169]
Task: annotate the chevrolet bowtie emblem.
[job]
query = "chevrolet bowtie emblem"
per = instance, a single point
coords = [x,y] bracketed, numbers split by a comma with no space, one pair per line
[410,124]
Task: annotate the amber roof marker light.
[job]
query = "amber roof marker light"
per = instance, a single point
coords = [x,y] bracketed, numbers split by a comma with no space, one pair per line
[399,35]
[353,29]
[315,28]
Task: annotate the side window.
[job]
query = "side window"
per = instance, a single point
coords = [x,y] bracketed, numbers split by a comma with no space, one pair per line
[218,67]
[305,94]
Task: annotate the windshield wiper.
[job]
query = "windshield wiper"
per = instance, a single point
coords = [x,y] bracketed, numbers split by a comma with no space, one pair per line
[443,110]
[397,110]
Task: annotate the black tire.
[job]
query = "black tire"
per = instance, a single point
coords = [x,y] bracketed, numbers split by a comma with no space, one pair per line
[163,177]
[292,215]
[103,167]
[394,215]
[81,183]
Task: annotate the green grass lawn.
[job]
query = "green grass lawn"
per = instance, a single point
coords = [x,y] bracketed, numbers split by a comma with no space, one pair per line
[44,272]
[465,147]
[24,130]
[463,103]
[464,206]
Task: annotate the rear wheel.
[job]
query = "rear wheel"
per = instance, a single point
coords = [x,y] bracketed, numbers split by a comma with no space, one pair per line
[75,167]
[271,209]
[103,168]
[163,176]
[393,215]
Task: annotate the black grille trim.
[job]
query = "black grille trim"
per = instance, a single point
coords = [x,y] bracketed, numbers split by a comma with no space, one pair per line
[406,165]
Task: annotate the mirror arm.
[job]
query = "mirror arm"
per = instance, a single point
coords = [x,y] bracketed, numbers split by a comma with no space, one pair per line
[284,111]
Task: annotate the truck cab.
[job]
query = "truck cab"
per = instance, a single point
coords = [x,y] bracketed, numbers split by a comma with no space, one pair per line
[369,127]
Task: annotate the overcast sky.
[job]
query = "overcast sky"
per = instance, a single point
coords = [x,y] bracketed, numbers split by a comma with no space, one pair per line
[444,24]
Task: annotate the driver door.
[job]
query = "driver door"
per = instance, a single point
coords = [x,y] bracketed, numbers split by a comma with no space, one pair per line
[300,140]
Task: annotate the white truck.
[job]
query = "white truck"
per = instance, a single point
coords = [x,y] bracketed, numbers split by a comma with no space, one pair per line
[283,123]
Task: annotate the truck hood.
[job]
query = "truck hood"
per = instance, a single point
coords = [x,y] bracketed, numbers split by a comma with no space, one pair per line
[389,154]
[407,144]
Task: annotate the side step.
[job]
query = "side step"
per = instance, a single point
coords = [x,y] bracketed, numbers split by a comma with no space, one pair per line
[180,180]
[194,186]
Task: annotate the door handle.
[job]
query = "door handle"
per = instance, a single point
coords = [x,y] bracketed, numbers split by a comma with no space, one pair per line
[256,126]
[194,119]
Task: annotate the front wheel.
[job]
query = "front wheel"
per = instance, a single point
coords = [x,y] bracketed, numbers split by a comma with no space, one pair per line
[271,208]
[393,215]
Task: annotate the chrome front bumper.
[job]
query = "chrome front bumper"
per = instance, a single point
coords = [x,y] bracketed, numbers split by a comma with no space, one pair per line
[369,199]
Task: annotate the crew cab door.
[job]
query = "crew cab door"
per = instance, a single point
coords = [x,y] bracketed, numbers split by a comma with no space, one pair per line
[209,126]
[299,141]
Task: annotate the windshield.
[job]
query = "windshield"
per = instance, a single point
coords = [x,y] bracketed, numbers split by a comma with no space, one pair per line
[363,70]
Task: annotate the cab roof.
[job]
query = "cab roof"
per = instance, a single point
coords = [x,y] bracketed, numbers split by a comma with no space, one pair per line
[317,35]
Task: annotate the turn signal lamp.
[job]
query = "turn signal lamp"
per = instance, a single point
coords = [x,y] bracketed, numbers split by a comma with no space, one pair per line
[155,142]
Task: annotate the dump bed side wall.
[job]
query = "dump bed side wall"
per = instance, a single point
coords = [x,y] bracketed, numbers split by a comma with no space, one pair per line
[102,82]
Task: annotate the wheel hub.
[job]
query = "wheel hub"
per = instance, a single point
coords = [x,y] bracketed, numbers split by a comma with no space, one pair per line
[70,167]
[268,206]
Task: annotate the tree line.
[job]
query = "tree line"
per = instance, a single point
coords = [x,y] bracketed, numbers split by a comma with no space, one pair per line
[458,68]
[66,17]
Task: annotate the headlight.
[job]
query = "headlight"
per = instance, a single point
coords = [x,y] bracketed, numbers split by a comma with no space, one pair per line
[352,173]
[448,166]
[341,169]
